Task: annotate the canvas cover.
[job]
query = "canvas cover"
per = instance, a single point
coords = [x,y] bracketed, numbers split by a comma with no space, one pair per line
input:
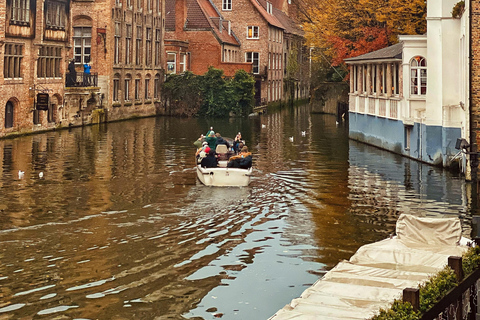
[377,273]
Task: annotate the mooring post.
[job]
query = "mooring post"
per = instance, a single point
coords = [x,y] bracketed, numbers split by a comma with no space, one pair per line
[413,296]
[456,264]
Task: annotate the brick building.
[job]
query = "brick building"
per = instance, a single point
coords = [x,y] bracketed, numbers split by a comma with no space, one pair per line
[197,37]
[228,35]
[474,85]
[34,39]
[123,42]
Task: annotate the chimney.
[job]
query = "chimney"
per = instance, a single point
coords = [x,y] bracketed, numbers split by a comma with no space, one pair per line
[180,14]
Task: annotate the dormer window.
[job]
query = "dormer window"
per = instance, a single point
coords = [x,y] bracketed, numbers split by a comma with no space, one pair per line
[269,7]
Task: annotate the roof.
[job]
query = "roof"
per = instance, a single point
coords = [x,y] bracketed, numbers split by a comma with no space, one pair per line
[394,52]
[290,25]
[201,15]
[261,7]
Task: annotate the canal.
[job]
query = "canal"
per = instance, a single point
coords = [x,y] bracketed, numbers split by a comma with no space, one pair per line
[118,227]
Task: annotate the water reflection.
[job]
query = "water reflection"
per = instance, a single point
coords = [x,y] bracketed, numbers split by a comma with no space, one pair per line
[119,227]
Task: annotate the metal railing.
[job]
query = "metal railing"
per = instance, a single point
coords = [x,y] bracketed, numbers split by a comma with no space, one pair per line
[81,79]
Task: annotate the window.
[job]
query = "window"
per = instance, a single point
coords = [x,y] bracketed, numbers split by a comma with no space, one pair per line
[139,5]
[118,34]
[9,115]
[48,63]
[148,51]
[226,5]
[20,12]
[418,76]
[383,78]
[156,89]
[128,44]
[126,89]
[158,5]
[137,89]
[252,32]
[171,62]
[55,16]
[82,38]
[13,60]
[149,5]
[158,51]
[253,57]
[354,76]
[147,88]
[373,79]
[129,4]
[364,79]
[138,47]
[395,79]
[118,3]
[269,8]
[183,62]
[116,88]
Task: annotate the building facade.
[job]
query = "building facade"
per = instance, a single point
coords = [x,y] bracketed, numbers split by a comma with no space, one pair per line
[34,40]
[412,98]
[122,40]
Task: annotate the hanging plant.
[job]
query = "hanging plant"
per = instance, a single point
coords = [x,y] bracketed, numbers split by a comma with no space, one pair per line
[458,9]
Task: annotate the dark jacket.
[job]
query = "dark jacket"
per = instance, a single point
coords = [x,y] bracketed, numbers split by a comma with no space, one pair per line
[242,163]
[220,140]
[209,162]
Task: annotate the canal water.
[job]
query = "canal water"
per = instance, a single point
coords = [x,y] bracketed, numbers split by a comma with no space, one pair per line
[119,227]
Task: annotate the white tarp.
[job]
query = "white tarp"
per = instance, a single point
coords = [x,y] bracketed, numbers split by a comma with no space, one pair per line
[377,273]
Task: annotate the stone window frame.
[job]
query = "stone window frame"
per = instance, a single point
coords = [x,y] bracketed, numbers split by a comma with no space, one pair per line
[126,88]
[226,5]
[49,62]
[82,44]
[55,15]
[148,44]
[183,62]
[171,64]
[116,88]
[128,43]
[13,57]
[147,87]
[139,45]
[253,32]
[138,87]
[158,46]
[117,51]
[20,12]
[418,76]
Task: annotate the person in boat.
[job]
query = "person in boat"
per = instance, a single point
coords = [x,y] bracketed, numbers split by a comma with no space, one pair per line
[220,140]
[236,142]
[243,160]
[199,142]
[210,161]
[205,149]
[211,140]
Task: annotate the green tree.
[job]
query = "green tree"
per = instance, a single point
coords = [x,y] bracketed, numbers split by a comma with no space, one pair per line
[215,101]
[243,92]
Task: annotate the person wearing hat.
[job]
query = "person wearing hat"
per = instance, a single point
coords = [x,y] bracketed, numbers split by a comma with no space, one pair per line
[203,151]
[210,161]
[242,160]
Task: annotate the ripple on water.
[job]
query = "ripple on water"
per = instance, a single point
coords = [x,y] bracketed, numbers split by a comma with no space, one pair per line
[55,310]
[12,307]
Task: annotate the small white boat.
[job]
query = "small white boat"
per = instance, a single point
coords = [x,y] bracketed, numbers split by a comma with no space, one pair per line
[223,176]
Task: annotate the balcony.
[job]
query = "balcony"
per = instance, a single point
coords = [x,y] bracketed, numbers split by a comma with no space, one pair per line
[81,80]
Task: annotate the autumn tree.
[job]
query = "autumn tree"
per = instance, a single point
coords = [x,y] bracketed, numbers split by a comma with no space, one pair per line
[348,28]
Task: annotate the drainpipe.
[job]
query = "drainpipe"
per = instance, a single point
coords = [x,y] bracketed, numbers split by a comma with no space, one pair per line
[472,133]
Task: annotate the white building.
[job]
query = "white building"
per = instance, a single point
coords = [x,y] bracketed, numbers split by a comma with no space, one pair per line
[412,98]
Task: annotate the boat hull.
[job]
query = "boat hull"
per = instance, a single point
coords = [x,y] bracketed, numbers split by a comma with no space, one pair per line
[224,177]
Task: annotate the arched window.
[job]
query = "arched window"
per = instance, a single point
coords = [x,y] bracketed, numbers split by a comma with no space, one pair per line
[418,76]
[9,115]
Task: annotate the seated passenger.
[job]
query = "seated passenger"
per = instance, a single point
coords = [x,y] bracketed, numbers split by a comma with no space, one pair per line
[243,160]
[210,161]
[238,143]
[220,140]
[211,139]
